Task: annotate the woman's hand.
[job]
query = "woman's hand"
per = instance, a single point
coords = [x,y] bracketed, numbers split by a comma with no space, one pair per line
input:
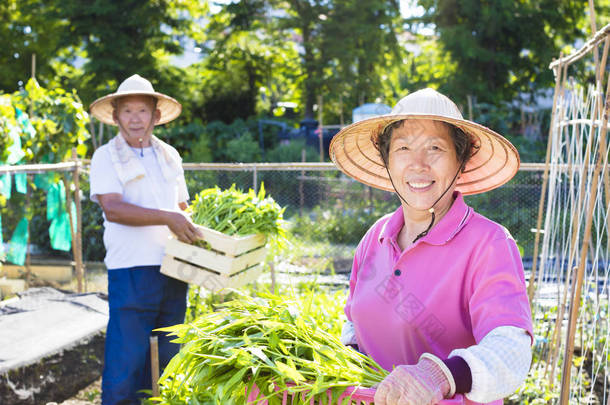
[424,383]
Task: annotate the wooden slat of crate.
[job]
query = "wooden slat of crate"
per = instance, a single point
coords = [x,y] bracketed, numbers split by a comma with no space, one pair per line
[223,264]
[231,245]
[205,278]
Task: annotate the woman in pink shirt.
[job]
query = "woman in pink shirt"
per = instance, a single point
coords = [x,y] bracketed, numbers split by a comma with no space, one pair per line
[437,291]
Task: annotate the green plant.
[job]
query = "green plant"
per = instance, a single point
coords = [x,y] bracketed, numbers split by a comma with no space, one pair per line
[243,149]
[291,152]
[534,391]
[236,213]
[344,222]
[56,124]
[514,206]
[268,340]
[190,140]
[59,120]
[7,125]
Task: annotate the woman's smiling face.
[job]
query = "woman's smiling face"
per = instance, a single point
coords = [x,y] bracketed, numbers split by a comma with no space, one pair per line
[423,163]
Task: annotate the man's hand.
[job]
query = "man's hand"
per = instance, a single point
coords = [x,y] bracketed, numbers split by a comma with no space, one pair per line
[424,383]
[182,227]
[119,211]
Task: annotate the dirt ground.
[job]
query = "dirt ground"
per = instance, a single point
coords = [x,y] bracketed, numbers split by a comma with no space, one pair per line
[90,395]
[96,280]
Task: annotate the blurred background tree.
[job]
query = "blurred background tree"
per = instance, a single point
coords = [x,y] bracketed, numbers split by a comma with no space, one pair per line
[235,64]
[502,48]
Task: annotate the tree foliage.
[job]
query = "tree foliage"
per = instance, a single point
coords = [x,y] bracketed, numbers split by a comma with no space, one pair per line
[110,39]
[58,119]
[257,54]
[502,47]
[25,30]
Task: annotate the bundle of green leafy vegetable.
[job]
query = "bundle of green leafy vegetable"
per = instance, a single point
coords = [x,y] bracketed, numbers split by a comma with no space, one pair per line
[268,340]
[234,212]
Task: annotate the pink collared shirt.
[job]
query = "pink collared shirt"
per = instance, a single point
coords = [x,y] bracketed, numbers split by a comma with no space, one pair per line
[446,291]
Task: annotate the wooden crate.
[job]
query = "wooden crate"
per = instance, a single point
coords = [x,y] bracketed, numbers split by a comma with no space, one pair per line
[228,262]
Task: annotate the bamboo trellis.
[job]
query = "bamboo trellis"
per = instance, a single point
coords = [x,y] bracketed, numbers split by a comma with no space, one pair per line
[577,144]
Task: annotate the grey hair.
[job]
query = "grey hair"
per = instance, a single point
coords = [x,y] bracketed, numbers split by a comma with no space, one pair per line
[463,143]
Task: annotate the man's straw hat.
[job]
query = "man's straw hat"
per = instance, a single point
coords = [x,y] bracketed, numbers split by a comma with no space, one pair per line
[135,85]
[494,162]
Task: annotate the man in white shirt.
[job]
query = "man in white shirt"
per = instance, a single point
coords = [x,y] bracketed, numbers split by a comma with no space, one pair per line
[138,181]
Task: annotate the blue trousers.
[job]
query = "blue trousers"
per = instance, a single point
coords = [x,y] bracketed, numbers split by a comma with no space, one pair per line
[140,299]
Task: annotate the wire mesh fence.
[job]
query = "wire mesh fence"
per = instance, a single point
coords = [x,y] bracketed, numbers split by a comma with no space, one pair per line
[321,205]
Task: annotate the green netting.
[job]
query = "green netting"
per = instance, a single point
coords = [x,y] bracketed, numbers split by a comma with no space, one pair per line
[26,124]
[21,182]
[59,232]
[15,153]
[18,244]
[43,181]
[5,185]
[56,200]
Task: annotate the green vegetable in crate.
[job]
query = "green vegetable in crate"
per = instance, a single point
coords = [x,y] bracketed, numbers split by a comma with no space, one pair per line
[234,212]
[271,341]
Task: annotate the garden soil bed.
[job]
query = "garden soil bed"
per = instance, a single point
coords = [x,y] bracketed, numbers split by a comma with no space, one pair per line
[90,395]
[55,378]
[51,345]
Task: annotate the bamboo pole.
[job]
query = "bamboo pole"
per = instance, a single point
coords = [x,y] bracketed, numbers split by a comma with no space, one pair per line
[341,121]
[296,166]
[574,239]
[72,221]
[593,32]
[33,66]
[286,166]
[100,134]
[584,50]
[28,268]
[301,190]
[555,344]
[92,130]
[80,270]
[33,77]
[553,355]
[75,223]
[569,351]
[154,365]
[559,82]
[320,128]
[603,144]
[38,168]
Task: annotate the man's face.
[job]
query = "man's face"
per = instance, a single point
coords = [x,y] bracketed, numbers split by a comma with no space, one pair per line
[136,116]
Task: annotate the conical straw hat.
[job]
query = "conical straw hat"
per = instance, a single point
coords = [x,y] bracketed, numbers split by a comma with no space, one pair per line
[494,162]
[135,85]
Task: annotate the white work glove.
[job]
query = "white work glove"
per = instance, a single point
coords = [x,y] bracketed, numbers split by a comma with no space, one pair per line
[348,334]
[425,383]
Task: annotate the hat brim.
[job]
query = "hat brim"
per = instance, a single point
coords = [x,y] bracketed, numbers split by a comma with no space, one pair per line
[102,108]
[492,164]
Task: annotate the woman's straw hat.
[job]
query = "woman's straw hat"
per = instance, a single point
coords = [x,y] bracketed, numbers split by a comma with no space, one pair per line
[135,85]
[494,161]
